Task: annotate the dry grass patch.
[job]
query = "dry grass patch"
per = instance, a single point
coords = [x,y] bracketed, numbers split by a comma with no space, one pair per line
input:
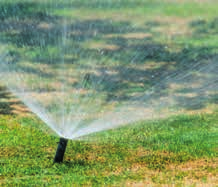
[110,47]
[173,26]
[136,35]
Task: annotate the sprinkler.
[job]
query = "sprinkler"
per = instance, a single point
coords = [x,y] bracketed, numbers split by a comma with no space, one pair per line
[60,150]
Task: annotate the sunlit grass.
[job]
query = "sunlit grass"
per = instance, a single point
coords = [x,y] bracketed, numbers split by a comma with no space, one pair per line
[110,157]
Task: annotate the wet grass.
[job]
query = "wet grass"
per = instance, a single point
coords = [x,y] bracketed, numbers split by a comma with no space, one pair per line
[151,150]
[161,37]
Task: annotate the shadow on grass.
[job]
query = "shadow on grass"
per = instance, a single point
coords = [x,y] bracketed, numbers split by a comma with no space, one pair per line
[204,27]
[5,107]
[9,105]
[19,10]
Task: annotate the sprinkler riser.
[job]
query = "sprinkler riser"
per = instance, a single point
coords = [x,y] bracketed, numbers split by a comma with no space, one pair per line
[59,156]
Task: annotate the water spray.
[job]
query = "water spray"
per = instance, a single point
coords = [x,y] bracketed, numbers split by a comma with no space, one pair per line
[60,150]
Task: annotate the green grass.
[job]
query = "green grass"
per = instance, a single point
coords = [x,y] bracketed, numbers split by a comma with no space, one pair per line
[109,158]
[169,151]
[143,9]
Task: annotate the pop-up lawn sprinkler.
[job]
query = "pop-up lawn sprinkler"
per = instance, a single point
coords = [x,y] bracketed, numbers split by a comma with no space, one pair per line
[60,150]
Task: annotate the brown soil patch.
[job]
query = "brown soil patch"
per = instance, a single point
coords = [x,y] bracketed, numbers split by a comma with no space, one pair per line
[44,25]
[196,170]
[196,165]
[20,110]
[137,35]
[103,46]
[193,174]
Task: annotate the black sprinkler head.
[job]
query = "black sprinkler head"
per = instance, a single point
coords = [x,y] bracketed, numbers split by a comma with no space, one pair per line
[60,150]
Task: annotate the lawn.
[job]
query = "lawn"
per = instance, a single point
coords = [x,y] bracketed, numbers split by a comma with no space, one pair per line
[181,150]
[159,58]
